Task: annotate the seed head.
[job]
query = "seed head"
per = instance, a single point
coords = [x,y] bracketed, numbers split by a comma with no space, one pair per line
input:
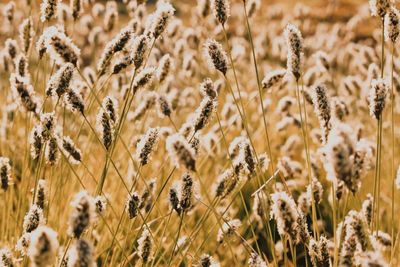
[101,205]
[379,7]
[316,189]
[36,141]
[81,254]
[139,48]
[252,6]
[187,193]
[52,153]
[24,93]
[147,144]
[392,27]
[106,121]
[181,152]
[112,47]
[285,212]
[5,172]
[164,67]
[21,65]
[377,97]
[40,198]
[143,79]
[48,9]
[256,261]
[294,43]
[83,214]
[73,100]
[216,56]
[164,106]
[322,109]
[207,261]
[366,209]
[8,11]
[61,48]
[11,47]
[43,247]
[203,113]
[76,7]
[60,81]
[207,88]
[70,150]
[110,18]
[339,151]
[221,10]
[145,245]
[6,257]
[132,205]
[26,33]
[273,78]
[160,19]
[228,229]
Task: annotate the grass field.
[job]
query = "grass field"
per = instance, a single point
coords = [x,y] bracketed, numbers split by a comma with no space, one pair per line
[199,133]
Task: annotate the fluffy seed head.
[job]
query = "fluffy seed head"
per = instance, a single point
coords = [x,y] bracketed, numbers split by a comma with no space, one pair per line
[52,153]
[132,205]
[221,10]
[76,7]
[187,193]
[83,214]
[81,254]
[73,100]
[40,198]
[377,97]
[36,141]
[228,229]
[392,27]
[43,247]
[164,67]
[61,48]
[273,78]
[207,261]
[216,56]
[379,7]
[5,172]
[160,19]
[60,81]
[139,48]
[146,145]
[181,152]
[6,257]
[24,93]
[294,43]
[106,120]
[70,150]
[256,261]
[48,9]
[143,79]
[366,209]
[33,219]
[164,106]
[101,204]
[339,152]
[207,88]
[203,113]
[322,109]
[285,212]
[145,246]
[112,47]
[316,189]
[26,33]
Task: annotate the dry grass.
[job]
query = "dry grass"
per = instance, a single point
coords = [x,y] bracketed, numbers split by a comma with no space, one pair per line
[267,141]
